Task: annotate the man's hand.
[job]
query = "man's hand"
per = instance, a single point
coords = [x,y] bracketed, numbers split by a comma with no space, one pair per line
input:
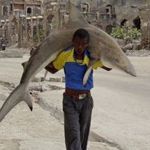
[50,68]
[106,68]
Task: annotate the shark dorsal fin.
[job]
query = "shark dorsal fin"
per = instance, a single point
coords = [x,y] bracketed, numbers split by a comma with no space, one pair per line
[76,18]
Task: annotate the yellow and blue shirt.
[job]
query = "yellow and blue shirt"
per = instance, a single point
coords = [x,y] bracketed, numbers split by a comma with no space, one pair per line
[75,69]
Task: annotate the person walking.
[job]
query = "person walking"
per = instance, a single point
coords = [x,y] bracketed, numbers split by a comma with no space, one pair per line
[77,99]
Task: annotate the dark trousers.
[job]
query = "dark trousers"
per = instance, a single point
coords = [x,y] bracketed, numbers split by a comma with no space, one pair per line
[77,120]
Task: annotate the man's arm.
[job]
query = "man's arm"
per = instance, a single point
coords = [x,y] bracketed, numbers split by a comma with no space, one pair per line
[50,68]
[56,64]
[101,65]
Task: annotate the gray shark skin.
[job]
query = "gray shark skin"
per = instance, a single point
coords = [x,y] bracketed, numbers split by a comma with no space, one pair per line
[104,47]
[44,54]
[101,46]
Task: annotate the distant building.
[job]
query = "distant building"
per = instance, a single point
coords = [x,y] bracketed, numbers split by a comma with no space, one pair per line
[26,7]
[102,13]
[4,9]
[19,7]
[13,16]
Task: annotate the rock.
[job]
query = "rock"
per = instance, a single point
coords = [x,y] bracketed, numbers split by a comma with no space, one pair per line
[136,45]
[36,79]
[2,97]
[55,79]
[139,53]
[127,47]
[11,54]
[121,42]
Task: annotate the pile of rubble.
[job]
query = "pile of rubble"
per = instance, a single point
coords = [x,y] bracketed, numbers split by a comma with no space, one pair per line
[13,52]
[133,48]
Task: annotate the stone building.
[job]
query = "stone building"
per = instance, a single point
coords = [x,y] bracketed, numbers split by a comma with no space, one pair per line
[16,7]
[145,26]
[4,9]
[107,13]
[16,15]
[103,13]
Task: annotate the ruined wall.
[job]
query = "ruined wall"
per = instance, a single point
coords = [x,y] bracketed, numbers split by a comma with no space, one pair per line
[6,4]
[125,9]
[0,9]
[145,19]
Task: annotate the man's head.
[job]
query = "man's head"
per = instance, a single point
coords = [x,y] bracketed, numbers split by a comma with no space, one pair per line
[80,40]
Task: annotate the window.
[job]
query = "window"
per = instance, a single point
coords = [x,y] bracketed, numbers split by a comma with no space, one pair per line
[29,10]
[5,11]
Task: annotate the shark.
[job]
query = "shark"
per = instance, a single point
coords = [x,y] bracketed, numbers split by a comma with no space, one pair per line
[101,44]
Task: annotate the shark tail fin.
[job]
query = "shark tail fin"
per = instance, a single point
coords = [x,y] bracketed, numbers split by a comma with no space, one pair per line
[18,94]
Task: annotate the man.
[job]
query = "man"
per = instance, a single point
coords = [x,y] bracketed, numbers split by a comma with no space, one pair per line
[77,99]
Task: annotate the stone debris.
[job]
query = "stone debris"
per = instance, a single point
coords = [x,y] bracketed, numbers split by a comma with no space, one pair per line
[11,54]
[139,53]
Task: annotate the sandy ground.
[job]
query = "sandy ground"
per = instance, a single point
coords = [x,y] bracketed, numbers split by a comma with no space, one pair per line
[41,129]
[121,114]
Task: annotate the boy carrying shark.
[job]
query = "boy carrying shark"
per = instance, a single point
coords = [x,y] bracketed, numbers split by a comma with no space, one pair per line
[77,99]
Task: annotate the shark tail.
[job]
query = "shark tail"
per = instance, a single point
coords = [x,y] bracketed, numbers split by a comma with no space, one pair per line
[19,94]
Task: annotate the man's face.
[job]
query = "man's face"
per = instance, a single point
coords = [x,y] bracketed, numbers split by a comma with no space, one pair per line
[80,44]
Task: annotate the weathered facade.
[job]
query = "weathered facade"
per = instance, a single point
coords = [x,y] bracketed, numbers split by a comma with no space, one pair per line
[145,26]
[133,13]
[16,7]
[17,16]
[26,7]
[103,13]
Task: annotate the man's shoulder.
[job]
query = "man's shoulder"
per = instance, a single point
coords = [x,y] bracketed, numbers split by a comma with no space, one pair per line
[69,48]
[65,53]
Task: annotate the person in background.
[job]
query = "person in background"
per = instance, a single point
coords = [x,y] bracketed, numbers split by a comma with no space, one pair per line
[3,44]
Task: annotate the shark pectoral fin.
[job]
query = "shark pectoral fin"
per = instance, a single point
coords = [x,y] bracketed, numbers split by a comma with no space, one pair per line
[28,99]
[86,76]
